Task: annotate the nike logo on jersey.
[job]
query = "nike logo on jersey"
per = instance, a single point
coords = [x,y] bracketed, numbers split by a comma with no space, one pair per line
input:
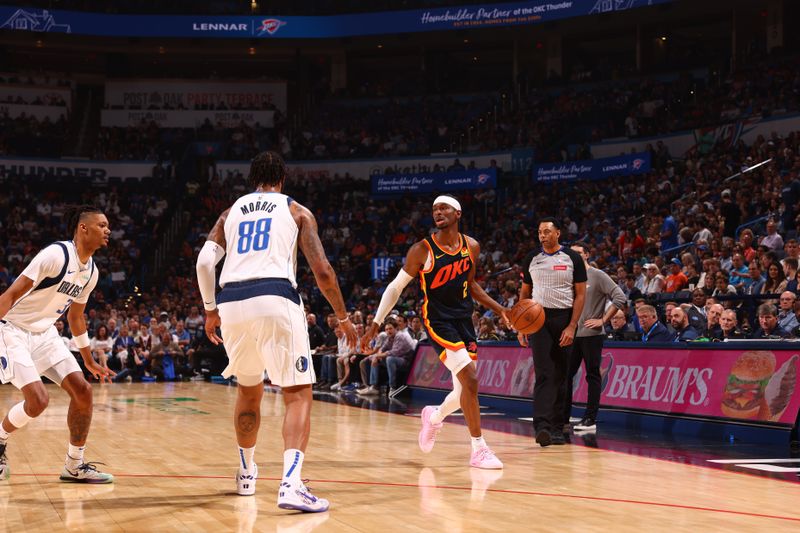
[439,256]
[70,271]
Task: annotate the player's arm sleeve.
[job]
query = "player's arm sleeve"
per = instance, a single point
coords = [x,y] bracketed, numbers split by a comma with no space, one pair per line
[46,264]
[87,290]
[391,294]
[526,269]
[207,260]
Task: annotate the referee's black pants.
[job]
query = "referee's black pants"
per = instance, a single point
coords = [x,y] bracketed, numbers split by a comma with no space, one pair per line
[588,350]
[550,362]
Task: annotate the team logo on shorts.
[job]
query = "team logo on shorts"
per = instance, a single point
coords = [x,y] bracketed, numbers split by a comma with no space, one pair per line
[301,364]
[4,362]
[473,347]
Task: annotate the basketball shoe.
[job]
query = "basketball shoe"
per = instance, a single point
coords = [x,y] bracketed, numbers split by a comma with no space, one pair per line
[85,473]
[298,497]
[485,458]
[5,472]
[427,435]
[246,483]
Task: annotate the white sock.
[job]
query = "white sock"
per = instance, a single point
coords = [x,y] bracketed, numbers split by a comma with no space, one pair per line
[3,434]
[478,443]
[75,456]
[246,459]
[292,465]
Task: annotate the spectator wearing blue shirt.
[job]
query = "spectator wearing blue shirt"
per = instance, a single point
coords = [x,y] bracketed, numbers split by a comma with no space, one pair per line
[680,323]
[768,322]
[740,274]
[653,330]
[669,232]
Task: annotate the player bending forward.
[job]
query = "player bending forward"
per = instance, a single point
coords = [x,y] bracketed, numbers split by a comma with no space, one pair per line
[60,278]
[445,263]
[262,319]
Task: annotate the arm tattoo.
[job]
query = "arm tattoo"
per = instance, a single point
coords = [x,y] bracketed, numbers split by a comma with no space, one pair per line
[217,233]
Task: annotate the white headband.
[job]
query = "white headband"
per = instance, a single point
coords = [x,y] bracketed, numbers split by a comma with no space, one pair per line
[449,200]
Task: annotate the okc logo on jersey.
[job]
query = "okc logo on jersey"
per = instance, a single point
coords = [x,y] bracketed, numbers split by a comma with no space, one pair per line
[270,26]
[449,272]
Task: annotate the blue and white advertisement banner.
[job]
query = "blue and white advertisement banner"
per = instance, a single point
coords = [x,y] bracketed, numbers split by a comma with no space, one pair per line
[381,267]
[596,169]
[423,183]
[185,119]
[194,94]
[40,112]
[316,27]
[68,168]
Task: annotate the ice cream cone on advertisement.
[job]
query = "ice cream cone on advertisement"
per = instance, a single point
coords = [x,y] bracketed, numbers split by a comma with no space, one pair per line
[780,389]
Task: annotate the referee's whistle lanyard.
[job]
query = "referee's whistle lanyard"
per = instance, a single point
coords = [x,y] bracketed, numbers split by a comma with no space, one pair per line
[644,337]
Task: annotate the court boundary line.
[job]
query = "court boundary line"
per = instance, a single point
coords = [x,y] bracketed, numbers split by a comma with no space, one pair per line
[459,488]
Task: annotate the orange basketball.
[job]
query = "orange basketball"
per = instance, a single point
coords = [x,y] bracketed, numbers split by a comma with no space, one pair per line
[527,316]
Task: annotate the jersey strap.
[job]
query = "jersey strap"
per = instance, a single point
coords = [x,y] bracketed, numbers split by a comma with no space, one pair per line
[49,282]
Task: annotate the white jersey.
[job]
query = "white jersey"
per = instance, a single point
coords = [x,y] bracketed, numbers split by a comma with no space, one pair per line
[261,237]
[59,279]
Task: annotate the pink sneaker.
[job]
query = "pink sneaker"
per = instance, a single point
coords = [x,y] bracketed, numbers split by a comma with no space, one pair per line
[485,458]
[427,435]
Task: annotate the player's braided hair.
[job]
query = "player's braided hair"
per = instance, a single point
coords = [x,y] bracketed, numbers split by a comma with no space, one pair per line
[73,215]
[267,168]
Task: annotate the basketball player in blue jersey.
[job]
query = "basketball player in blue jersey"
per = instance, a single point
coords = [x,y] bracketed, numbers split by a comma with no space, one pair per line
[445,263]
[262,319]
[58,280]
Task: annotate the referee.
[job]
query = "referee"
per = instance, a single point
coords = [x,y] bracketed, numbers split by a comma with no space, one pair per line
[556,278]
[589,341]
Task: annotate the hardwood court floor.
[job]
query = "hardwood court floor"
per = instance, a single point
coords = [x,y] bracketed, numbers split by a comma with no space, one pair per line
[172,450]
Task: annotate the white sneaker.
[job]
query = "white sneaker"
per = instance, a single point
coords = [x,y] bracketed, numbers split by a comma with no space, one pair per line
[5,471]
[299,498]
[336,387]
[369,391]
[85,473]
[574,419]
[246,483]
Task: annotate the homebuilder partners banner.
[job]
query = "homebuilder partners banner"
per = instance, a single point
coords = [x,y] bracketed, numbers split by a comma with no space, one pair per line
[428,182]
[595,169]
[315,27]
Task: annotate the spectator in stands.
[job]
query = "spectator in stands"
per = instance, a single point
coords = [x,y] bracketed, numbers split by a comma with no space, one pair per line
[653,329]
[416,331]
[712,329]
[722,287]
[183,336]
[680,323]
[676,280]
[697,311]
[728,325]
[786,316]
[101,345]
[343,353]
[618,328]
[487,331]
[316,336]
[746,240]
[790,271]
[655,282]
[194,322]
[776,280]
[641,279]
[739,273]
[757,280]
[768,324]
[669,231]
[395,354]
[167,348]
[123,350]
[772,239]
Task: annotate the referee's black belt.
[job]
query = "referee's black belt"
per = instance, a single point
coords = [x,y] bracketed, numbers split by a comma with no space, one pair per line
[557,310]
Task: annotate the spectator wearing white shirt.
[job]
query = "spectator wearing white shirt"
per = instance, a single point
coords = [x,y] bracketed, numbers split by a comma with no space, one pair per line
[772,239]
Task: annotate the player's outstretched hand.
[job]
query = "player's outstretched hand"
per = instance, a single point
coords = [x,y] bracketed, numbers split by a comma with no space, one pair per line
[350,334]
[372,330]
[212,323]
[101,373]
[505,320]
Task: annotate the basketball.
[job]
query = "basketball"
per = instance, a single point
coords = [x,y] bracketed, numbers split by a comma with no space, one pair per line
[527,316]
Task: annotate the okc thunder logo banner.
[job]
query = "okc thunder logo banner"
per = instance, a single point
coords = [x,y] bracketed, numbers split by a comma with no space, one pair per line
[428,182]
[270,26]
[596,169]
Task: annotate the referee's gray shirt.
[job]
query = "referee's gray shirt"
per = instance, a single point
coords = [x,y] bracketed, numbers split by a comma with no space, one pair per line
[599,289]
[553,277]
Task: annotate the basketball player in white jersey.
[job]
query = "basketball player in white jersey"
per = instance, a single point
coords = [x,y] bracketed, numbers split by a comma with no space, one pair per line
[59,279]
[262,318]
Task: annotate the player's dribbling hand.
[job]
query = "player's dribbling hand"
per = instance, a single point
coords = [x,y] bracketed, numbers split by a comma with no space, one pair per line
[523,339]
[212,323]
[505,320]
[100,373]
[372,330]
